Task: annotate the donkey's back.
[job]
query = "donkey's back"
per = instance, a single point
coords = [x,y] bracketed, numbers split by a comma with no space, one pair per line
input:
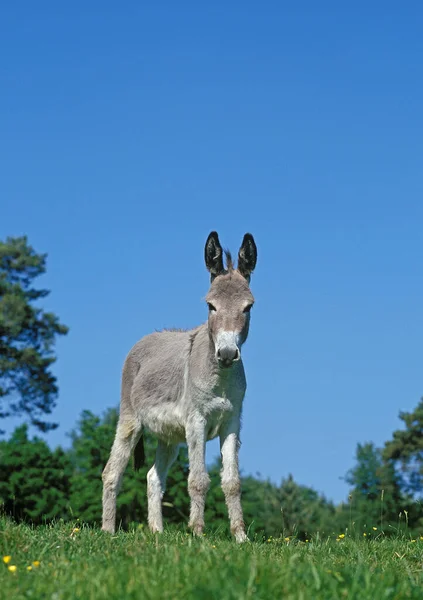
[153,382]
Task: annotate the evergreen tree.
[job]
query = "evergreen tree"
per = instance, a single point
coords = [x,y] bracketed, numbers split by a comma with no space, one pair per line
[27,336]
[405,451]
[34,481]
[262,507]
[304,511]
[290,509]
[376,498]
[91,444]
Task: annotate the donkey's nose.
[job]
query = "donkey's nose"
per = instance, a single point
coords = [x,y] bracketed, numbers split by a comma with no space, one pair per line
[228,355]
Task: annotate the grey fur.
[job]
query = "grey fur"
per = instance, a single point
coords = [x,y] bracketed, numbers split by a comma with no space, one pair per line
[189,386]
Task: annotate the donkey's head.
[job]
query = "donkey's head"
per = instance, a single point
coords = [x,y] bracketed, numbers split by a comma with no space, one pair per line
[229,298]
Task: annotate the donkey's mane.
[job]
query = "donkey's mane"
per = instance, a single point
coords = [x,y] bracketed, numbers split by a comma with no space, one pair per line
[229,261]
[172,330]
[192,330]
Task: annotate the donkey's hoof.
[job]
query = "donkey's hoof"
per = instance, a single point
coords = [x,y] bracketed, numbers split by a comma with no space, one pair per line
[108,529]
[197,530]
[155,529]
[241,537]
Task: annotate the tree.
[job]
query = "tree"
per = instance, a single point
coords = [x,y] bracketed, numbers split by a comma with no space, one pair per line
[376,496]
[91,444]
[34,481]
[405,451]
[304,511]
[290,509]
[27,336]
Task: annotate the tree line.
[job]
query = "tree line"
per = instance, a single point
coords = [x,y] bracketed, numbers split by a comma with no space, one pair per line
[38,484]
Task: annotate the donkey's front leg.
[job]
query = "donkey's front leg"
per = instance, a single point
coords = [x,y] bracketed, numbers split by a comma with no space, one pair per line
[198,479]
[231,484]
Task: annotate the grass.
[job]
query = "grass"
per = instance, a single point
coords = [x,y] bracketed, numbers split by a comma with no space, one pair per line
[83,562]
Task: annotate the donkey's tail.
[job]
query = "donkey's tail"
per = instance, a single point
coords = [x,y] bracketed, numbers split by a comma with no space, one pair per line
[129,372]
[139,454]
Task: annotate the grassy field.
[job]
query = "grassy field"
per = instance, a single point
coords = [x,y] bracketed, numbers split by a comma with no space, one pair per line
[67,561]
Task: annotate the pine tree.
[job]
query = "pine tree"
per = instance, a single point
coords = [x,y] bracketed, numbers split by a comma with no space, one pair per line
[91,444]
[376,498]
[34,480]
[304,511]
[27,336]
[405,451]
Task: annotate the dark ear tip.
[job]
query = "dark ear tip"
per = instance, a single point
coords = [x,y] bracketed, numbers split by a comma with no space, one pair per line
[213,254]
[247,256]
[249,239]
[213,237]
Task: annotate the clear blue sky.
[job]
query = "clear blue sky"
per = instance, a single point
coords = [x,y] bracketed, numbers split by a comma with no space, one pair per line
[129,131]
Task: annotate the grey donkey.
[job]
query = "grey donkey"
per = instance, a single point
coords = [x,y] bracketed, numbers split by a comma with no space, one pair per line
[189,386]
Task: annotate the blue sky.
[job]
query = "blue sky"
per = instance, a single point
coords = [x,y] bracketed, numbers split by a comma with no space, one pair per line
[129,132]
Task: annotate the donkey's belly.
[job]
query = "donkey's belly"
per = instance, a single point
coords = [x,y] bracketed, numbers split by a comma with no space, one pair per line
[218,411]
[166,424]
[169,425]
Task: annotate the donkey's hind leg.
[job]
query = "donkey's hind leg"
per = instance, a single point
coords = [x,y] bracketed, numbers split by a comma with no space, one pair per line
[156,483]
[127,435]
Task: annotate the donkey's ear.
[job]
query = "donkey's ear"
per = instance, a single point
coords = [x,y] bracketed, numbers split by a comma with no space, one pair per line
[247,256]
[213,255]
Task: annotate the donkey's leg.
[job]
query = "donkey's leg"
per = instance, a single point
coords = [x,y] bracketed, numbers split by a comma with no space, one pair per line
[198,479]
[127,435]
[156,483]
[231,484]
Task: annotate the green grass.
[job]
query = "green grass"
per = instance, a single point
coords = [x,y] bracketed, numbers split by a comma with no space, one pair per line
[90,564]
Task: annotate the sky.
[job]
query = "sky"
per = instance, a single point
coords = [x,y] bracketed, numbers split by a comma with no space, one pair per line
[129,131]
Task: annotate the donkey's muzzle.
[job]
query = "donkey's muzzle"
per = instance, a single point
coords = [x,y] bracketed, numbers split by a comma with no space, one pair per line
[227,356]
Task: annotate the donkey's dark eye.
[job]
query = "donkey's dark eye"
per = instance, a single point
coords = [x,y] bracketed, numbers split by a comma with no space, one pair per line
[248,308]
[211,307]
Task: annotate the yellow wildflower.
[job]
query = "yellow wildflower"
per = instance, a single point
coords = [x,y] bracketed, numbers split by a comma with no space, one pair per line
[306,541]
[364,534]
[75,530]
[374,528]
[413,541]
[36,563]
[29,568]
[7,559]
[341,536]
[287,539]
[12,568]
[213,546]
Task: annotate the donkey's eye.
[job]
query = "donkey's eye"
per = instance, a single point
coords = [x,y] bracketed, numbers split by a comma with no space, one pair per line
[211,307]
[248,308]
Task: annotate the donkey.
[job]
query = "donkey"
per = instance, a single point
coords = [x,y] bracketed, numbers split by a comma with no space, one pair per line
[189,386]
